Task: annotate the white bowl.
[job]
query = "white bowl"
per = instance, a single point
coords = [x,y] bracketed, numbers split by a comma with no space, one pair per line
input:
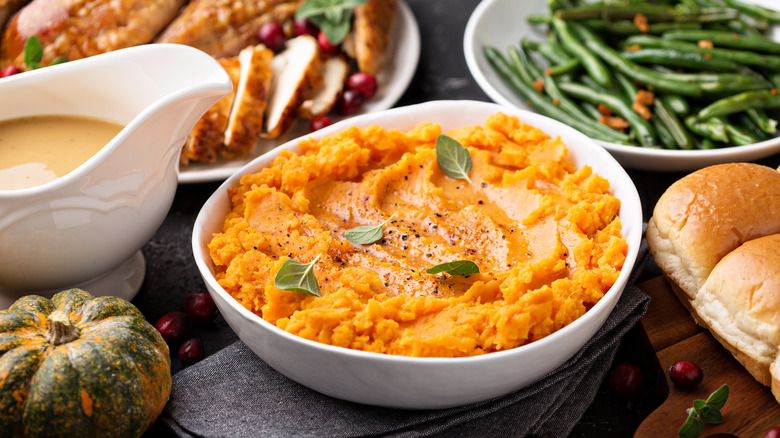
[86,228]
[501,23]
[421,383]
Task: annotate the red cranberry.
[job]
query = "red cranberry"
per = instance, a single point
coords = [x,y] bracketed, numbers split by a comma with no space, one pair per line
[175,327]
[350,102]
[363,83]
[319,122]
[685,374]
[302,26]
[10,71]
[200,306]
[626,380]
[272,36]
[773,432]
[326,46]
[191,351]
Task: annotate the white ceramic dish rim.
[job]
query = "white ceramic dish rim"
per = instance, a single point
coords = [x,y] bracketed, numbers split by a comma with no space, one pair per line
[633,156]
[394,80]
[633,236]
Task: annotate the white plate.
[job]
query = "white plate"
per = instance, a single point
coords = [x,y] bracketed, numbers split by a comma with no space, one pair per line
[500,23]
[393,81]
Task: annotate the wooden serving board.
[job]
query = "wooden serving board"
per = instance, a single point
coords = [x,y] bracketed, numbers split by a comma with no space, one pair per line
[751,408]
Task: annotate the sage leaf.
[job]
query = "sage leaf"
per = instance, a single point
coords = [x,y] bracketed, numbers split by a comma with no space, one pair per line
[458,267]
[710,414]
[453,159]
[719,396]
[692,426]
[333,17]
[33,52]
[366,234]
[298,277]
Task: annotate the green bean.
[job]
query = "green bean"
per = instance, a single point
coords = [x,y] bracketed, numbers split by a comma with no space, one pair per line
[641,74]
[755,10]
[541,102]
[627,27]
[725,39]
[591,110]
[645,133]
[710,128]
[664,135]
[721,82]
[740,56]
[749,124]
[737,136]
[518,64]
[590,62]
[628,87]
[539,19]
[550,51]
[707,143]
[740,102]
[676,103]
[679,58]
[762,120]
[653,13]
[565,68]
[668,118]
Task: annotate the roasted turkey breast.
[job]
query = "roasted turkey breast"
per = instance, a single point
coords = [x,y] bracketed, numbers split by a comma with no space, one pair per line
[222,28]
[81,28]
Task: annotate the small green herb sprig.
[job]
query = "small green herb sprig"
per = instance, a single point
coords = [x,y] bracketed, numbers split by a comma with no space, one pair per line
[298,277]
[453,159]
[366,234]
[458,267]
[704,411]
[333,17]
[33,54]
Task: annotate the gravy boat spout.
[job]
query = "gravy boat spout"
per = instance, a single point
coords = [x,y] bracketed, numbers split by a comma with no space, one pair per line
[86,228]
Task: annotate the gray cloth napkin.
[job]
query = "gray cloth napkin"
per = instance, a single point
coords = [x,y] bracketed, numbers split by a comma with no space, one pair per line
[233,393]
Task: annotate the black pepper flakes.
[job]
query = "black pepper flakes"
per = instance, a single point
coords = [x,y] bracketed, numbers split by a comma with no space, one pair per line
[404,237]
[484,184]
[406,247]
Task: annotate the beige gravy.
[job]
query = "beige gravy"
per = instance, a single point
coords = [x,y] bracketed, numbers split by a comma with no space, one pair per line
[38,149]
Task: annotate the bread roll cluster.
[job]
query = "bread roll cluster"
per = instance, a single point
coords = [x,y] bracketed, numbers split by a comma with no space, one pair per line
[715,233]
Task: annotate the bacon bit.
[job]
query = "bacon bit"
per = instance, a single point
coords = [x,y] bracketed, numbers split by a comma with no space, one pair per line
[735,36]
[614,122]
[644,97]
[556,101]
[603,109]
[705,44]
[633,48]
[708,55]
[548,72]
[774,91]
[539,85]
[642,110]
[640,21]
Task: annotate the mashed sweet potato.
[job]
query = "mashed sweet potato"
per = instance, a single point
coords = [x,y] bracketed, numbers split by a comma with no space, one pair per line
[546,238]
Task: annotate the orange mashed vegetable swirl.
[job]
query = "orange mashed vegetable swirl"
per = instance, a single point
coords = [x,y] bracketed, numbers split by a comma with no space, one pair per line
[545,235]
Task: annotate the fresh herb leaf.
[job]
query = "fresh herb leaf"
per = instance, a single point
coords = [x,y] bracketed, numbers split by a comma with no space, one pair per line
[692,426]
[709,414]
[454,159]
[719,397]
[298,277]
[366,234]
[59,60]
[704,411]
[333,17]
[33,52]
[458,267]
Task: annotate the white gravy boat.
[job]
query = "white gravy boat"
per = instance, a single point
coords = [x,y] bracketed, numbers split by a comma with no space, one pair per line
[86,228]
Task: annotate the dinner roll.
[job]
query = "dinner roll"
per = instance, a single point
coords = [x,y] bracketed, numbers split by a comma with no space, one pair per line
[740,304]
[707,214]
[715,234]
